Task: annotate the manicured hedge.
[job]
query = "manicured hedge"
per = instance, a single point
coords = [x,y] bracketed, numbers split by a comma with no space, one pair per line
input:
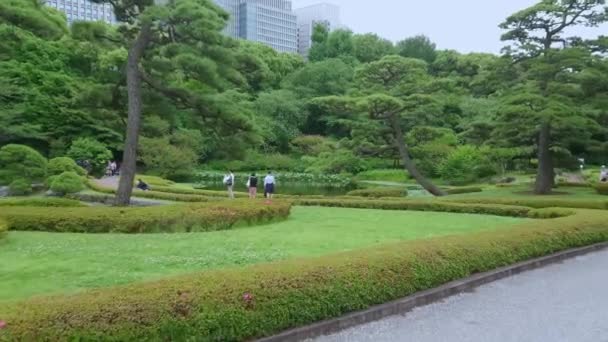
[165,196]
[601,188]
[463,190]
[172,218]
[379,192]
[260,300]
[40,202]
[3,230]
[199,192]
[419,205]
[536,202]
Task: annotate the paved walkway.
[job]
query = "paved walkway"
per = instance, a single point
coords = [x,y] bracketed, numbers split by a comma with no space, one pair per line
[562,302]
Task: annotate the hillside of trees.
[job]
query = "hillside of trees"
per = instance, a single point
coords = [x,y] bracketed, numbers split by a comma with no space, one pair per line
[167,90]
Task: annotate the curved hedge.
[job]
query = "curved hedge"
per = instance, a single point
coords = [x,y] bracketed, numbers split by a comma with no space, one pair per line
[40,202]
[535,202]
[173,218]
[379,192]
[243,304]
[601,188]
[158,195]
[462,190]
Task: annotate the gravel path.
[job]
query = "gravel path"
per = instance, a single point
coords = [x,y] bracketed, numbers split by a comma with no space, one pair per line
[562,302]
[108,182]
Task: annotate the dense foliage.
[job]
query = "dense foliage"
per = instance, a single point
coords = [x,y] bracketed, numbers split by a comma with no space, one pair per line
[359,103]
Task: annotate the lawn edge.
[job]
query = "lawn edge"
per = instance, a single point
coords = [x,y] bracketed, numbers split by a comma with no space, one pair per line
[426,297]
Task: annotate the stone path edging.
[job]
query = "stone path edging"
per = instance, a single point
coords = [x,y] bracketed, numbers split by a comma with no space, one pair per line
[426,297]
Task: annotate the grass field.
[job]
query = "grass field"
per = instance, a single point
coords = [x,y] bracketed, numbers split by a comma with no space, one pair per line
[43,263]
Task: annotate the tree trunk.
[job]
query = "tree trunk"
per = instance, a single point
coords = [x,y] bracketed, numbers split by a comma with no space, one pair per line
[545,176]
[408,163]
[127,169]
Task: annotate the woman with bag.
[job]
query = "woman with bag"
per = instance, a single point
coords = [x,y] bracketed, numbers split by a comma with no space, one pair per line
[252,185]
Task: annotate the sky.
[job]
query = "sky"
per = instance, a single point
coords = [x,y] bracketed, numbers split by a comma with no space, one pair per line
[463,25]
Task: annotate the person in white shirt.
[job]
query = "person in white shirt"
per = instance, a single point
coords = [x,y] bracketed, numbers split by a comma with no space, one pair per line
[603,174]
[229,182]
[269,185]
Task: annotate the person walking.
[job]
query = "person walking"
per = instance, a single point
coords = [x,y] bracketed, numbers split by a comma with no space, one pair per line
[269,183]
[229,182]
[252,185]
[113,168]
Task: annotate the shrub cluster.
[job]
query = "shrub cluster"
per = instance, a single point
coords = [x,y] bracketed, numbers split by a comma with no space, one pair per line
[59,165]
[379,192]
[21,162]
[20,187]
[260,300]
[40,202]
[68,182]
[174,218]
[601,188]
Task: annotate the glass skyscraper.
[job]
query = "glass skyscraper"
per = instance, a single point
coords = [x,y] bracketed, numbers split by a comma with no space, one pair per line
[324,14]
[83,10]
[271,22]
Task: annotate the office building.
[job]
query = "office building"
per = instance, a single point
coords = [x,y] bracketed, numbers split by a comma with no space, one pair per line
[83,10]
[271,22]
[325,14]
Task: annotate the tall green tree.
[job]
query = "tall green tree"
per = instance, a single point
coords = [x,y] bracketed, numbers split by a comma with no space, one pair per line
[537,33]
[420,47]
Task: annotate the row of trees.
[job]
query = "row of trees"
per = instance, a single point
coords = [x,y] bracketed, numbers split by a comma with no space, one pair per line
[167,89]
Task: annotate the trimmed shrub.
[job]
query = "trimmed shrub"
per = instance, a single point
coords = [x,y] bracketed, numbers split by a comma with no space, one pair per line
[154,180]
[396,204]
[165,196]
[59,165]
[601,188]
[466,165]
[40,202]
[463,190]
[95,152]
[535,202]
[21,162]
[20,187]
[379,192]
[166,219]
[166,160]
[68,182]
[248,303]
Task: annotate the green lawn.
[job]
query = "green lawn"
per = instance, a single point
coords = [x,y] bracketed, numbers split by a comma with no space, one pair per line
[42,263]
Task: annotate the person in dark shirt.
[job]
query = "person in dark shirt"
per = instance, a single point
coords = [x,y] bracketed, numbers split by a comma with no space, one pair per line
[252,184]
[141,185]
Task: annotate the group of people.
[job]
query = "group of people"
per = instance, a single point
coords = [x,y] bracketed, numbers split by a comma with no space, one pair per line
[252,185]
[112,169]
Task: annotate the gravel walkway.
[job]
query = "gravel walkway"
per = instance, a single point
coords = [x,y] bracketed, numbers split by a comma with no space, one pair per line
[562,302]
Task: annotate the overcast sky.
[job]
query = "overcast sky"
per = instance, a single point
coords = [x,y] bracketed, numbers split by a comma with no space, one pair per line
[463,25]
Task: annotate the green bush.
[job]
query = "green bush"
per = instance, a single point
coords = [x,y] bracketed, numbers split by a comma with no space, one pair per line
[463,190]
[21,162]
[429,156]
[40,202]
[59,165]
[255,161]
[467,164]
[68,182]
[601,188]
[166,219]
[312,145]
[340,161]
[244,304]
[96,153]
[166,160]
[20,187]
[386,175]
[154,180]
[379,192]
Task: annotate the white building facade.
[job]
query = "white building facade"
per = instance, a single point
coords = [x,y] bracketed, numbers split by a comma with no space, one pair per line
[83,10]
[325,14]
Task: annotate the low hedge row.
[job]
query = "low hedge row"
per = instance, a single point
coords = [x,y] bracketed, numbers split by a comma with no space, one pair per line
[199,192]
[536,202]
[3,228]
[601,188]
[463,190]
[261,300]
[41,202]
[420,205]
[379,192]
[165,196]
[166,219]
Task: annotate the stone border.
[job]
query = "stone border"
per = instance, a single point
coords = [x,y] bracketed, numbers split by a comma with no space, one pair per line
[426,297]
